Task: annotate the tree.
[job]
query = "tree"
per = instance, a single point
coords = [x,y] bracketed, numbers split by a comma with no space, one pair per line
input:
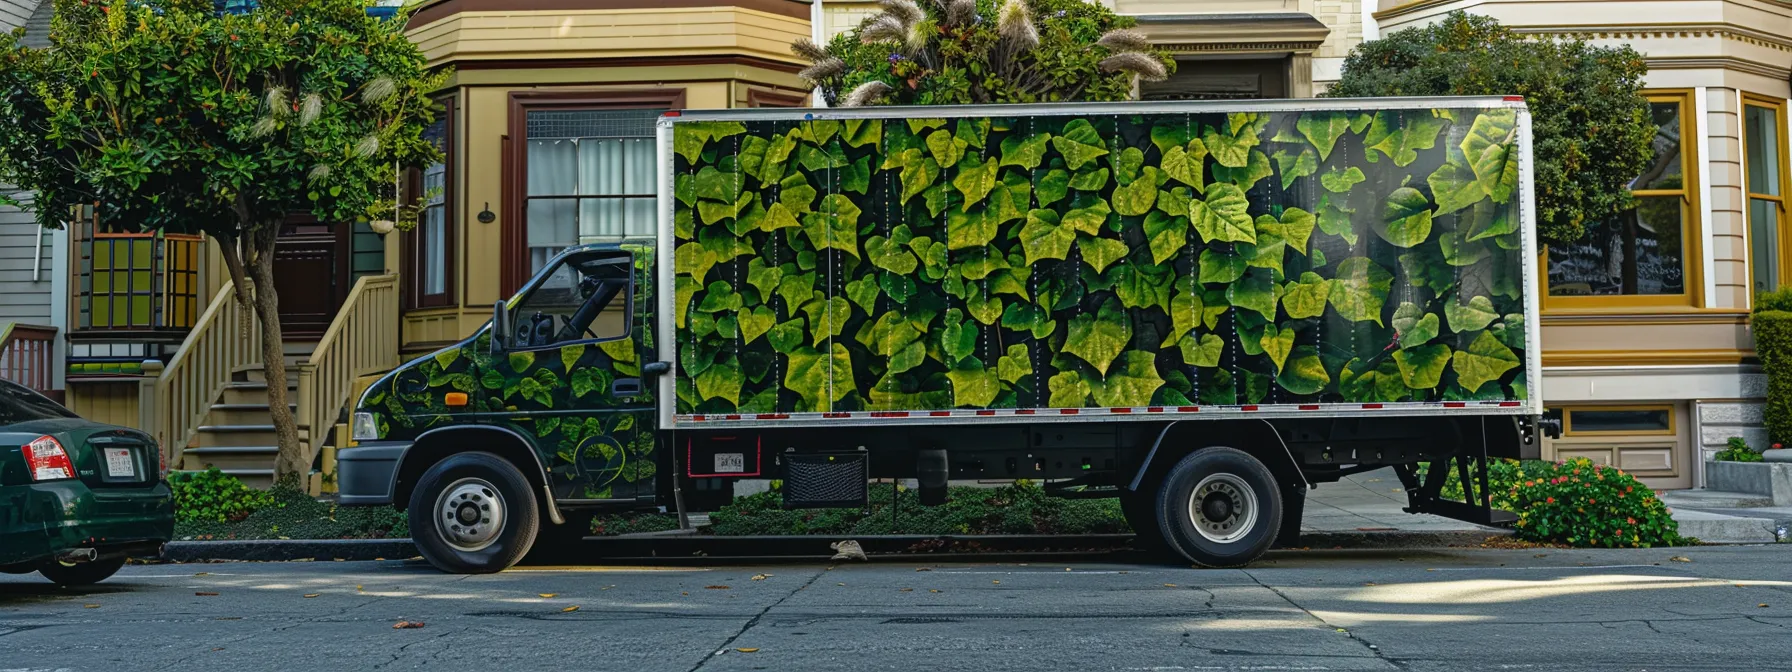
[1590,129]
[952,52]
[169,115]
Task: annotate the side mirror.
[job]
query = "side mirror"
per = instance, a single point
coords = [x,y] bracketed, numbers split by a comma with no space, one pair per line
[653,369]
[500,327]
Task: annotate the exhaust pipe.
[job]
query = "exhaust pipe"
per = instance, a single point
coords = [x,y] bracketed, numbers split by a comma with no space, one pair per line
[75,555]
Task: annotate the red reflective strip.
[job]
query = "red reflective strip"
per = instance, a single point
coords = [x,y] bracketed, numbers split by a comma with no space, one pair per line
[1248,407]
[674,113]
[1454,404]
[1119,410]
[1508,404]
[1516,99]
[939,414]
[1371,406]
[773,416]
[986,412]
[733,417]
[889,414]
[1309,407]
[836,415]
[1067,411]
[698,418]
[1024,411]
[1188,409]
[1155,409]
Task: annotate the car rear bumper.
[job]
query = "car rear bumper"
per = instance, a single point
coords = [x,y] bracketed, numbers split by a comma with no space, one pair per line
[41,520]
[365,473]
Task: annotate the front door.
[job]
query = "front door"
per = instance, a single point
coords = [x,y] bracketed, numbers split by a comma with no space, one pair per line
[571,377]
[311,269]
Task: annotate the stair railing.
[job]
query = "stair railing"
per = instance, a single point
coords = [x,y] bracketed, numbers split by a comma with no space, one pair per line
[362,340]
[27,355]
[225,340]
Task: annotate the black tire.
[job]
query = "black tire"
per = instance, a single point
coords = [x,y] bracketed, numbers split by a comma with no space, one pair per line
[81,574]
[1294,506]
[1140,509]
[452,509]
[1240,506]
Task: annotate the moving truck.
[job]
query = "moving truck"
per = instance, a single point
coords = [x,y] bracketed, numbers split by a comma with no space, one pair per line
[1203,309]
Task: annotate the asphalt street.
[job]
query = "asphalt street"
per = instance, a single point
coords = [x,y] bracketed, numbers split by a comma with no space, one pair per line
[1700,608]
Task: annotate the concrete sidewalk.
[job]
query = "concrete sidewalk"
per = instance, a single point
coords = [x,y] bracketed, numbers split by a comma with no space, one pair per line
[1372,502]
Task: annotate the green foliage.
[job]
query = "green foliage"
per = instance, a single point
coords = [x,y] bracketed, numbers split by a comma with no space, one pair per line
[214,496]
[1737,450]
[930,288]
[1772,328]
[1020,508]
[1577,503]
[292,514]
[925,53]
[1590,123]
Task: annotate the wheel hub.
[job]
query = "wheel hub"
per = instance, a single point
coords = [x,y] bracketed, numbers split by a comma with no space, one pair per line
[1223,508]
[472,514]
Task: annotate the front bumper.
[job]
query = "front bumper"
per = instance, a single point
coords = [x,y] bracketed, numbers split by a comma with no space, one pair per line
[40,520]
[365,474]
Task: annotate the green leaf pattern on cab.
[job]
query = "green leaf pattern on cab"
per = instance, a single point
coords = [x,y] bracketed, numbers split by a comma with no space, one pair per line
[1101,260]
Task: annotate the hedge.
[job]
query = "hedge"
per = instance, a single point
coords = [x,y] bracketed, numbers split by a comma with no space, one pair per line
[1772,326]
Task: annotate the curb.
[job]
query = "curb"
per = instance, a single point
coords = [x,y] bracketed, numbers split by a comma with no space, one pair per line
[790,547]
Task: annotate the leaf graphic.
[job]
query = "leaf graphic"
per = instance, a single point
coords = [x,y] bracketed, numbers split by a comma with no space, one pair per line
[1052,187]
[1305,372]
[1015,365]
[1460,252]
[795,289]
[1400,135]
[1217,387]
[1256,386]
[1137,198]
[1087,214]
[1044,237]
[1405,218]
[1510,331]
[1126,164]
[754,323]
[918,174]
[1184,167]
[1101,252]
[688,141]
[1079,144]
[1270,247]
[1422,368]
[959,339]
[974,179]
[1203,351]
[1296,228]
[1383,383]
[715,185]
[684,289]
[1323,130]
[796,194]
[1454,186]
[1491,154]
[1277,343]
[982,306]
[719,298]
[1220,266]
[819,379]
[1222,217]
[1227,149]
[569,356]
[1024,151]
[1306,298]
[945,148]
[861,132]
[1167,135]
[1185,315]
[1340,181]
[521,361]
[1141,285]
[972,385]
[864,292]
[1414,326]
[1166,234]
[969,229]
[890,254]
[1295,165]
[721,381]
[1255,291]
[1489,220]
[1486,359]
[856,176]
[827,317]
[1359,289]
[1130,384]
[1098,339]
[1067,390]
[1475,314]
[1255,169]
[694,260]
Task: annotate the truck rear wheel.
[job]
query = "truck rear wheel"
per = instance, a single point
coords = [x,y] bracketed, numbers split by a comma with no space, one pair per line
[1140,510]
[473,513]
[1219,507]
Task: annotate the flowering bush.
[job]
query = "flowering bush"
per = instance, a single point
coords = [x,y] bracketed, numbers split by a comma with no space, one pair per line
[1578,503]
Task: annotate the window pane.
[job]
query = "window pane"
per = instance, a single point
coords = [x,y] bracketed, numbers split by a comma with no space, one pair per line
[586,297]
[640,216]
[600,167]
[1664,171]
[1626,420]
[1639,252]
[435,256]
[553,167]
[1764,243]
[553,226]
[1763,150]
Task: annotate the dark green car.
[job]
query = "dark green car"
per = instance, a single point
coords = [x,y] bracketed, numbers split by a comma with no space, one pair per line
[77,497]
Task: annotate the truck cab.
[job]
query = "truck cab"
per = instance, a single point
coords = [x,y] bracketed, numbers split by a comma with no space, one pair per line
[545,413]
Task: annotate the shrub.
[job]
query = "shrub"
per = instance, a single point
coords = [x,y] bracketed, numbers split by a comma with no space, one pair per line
[1772,327]
[1578,503]
[1737,451]
[294,515]
[1010,509]
[214,496]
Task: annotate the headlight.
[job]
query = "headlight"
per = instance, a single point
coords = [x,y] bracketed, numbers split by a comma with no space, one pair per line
[364,427]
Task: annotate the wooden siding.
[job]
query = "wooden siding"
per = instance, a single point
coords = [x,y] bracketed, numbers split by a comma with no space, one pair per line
[23,299]
[627,33]
[105,401]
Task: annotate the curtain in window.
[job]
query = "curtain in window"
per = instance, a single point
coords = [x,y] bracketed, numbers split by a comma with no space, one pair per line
[590,178]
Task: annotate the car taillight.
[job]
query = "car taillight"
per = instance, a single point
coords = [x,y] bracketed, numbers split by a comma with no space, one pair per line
[47,460]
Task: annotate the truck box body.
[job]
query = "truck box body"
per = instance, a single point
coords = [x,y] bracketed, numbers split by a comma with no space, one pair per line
[1135,261]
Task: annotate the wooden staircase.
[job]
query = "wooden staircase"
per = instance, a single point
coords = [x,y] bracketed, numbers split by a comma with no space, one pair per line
[237,434]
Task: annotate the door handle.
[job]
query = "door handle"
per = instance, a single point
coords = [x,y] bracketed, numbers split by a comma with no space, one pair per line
[625,387]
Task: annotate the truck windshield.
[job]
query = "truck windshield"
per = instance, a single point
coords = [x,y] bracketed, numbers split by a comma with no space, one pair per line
[585,297]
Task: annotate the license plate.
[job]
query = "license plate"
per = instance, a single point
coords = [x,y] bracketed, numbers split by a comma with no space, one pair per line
[119,463]
[731,463]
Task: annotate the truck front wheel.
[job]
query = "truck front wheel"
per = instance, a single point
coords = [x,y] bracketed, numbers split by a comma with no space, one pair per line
[473,513]
[1219,507]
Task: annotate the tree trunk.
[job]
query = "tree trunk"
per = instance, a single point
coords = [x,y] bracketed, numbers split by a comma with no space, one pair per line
[289,464]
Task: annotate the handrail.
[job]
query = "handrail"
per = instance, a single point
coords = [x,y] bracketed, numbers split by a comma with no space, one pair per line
[226,339]
[27,355]
[361,340]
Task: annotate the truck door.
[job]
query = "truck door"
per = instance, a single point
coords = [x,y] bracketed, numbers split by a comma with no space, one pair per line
[571,376]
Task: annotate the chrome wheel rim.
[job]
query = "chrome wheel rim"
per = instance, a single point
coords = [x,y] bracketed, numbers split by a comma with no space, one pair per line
[469,514]
[1223,508]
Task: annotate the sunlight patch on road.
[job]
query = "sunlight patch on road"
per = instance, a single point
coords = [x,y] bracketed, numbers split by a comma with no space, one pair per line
[612,570]
[1493,591]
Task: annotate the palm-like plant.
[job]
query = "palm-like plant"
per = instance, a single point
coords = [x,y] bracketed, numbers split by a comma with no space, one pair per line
[994,51]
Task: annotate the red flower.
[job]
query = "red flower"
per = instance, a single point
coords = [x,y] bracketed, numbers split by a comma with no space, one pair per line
[1550,500]
[1632,521]
[1592,501]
